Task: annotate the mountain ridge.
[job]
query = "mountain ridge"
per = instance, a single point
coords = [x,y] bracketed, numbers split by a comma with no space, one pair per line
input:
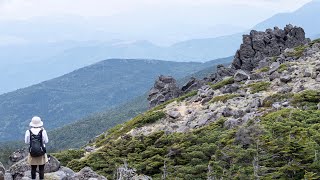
[230,128]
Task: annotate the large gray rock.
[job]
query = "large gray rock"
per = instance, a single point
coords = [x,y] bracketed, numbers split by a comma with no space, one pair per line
[8,176]
[274,67]
[174,114]
[271,43]
[2,171]
[192,84]
[85,174]
[221,73]
[286,78]
[165,88]
[241,76]
[18,169]
[18,155]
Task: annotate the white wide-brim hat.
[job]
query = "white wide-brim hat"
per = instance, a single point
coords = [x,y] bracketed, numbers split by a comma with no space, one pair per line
[36,122]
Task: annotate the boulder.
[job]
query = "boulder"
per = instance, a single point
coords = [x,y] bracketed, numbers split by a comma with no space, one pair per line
[165,88]
[255,76]
[241,76]
[18,155]
[2,171]
[89,149]
[19,168]
[8,176]
[220,74]
[285,78]
[174,114]
[258,45]
[230,88]
[274,67]
[87,173]
[318,78]
[307,73]
[274,76]
[192,84]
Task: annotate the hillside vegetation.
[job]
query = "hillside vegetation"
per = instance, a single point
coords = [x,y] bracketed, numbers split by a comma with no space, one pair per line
[89,90]
[262,124]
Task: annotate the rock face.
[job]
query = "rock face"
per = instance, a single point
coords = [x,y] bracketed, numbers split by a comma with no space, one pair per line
[18,155]
[192,84]
[165,88]
[241,76]
[222,72]
[271,43]
[18,169]
[2,171]
[87,173]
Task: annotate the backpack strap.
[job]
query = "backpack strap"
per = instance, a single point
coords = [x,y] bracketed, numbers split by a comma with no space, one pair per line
[30,137]
[40,133]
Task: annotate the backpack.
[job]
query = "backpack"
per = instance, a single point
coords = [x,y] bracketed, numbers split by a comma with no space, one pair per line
[36,148]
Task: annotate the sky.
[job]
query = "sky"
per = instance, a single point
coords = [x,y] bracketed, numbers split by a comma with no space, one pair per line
[21,9]
[159,21]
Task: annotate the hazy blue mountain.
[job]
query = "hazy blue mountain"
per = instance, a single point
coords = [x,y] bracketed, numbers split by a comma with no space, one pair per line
[85,91]
[32,72]
[304,17]
[59,58]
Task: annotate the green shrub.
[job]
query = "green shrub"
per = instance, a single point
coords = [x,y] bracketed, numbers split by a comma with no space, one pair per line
[223,98]
[259,86]
[264,69]
[188,95]
[307,99]
[283,67]
[222,83]
[298,51]
[140,120]
[284,145]
[314,42]
[66,156]
[268,101]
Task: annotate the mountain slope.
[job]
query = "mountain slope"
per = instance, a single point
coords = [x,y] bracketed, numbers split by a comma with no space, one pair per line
[262,124]
[80,132]
[88,90]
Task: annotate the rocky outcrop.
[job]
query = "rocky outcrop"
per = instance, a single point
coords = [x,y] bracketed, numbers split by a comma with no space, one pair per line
[87,173]
[2,171]
[241,76]
[192,84]
[18,155]
[165,88]
[258,45]
[18,169]
[222,72]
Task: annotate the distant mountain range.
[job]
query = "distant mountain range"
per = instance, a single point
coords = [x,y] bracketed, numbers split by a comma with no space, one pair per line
[24,65]
[94,88]
[303,17]
[46,61]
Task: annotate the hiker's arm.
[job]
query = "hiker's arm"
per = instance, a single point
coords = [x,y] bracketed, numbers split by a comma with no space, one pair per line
[27,137]
[45,137]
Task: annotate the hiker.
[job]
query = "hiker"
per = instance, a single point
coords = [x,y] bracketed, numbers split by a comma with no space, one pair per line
[37,137]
